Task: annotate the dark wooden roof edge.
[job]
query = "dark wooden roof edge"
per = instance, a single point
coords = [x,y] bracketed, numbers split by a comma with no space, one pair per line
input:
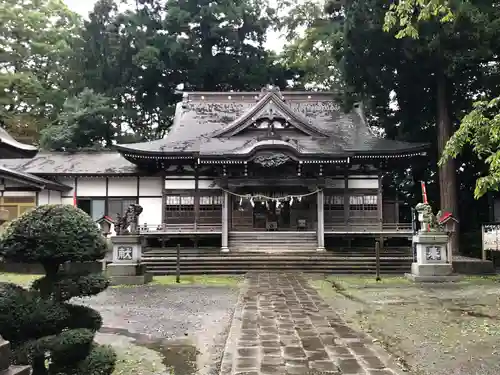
[130,153]
[252,95]
[34,180]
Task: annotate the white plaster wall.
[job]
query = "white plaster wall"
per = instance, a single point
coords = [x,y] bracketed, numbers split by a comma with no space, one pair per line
[174,183]
[49,197]
[151,211]
[54,197]
[150,186]
[363,183]
[91,187]
[43,197]
[69,181]
[66,200]
[122,187]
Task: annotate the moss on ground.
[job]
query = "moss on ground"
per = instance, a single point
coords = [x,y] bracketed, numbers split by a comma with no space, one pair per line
[208,280]
[431,328]
[20,279]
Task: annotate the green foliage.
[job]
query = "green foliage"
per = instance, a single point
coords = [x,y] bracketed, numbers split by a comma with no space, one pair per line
[65,286]
[25,315]
[480,130]
[314,54]
[100,361]
[35,43]
[407,15]
[85,121]
[52,235]
[83,317]
[46,331]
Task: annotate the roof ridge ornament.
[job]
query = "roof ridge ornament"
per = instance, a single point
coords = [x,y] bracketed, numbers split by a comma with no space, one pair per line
[271,89]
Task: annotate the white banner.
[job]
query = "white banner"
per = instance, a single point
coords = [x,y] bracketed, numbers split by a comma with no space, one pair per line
[491,237]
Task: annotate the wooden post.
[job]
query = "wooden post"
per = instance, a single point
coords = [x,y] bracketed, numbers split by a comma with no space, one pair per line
[196,203]
[178,265]
[380,202]
[321,220]
[225,222]
[377,260]
[196,196]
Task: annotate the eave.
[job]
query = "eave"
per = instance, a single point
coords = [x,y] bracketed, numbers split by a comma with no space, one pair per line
[32,180]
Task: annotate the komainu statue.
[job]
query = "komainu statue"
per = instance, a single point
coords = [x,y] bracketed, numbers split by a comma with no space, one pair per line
[428,221]
[128,223]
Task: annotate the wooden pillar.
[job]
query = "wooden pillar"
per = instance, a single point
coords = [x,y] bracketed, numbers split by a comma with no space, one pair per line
[225,222]
[196,202]
[321,220]
[380,211]
[196,196]
[380,206]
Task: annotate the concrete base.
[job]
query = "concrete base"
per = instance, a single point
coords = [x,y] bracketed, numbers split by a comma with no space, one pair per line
[431,269]
[224,249]
[321,249]
[128,274]
[433,279]
[432,273]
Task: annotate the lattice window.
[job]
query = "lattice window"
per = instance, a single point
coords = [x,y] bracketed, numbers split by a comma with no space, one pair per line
[363,206]
[334,208]
[179,209]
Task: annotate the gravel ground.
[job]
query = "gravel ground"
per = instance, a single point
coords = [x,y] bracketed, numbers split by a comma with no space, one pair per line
[186,324]
[431,328]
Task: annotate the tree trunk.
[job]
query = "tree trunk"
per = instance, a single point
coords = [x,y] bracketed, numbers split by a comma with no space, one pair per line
[447,172]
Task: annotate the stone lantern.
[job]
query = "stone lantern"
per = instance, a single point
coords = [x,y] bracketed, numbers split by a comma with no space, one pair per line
[448,222]
[105,223]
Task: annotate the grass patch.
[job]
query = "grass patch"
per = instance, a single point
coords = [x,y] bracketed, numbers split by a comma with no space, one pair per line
[20,279]
[209,280]
[137,360]
[366,281]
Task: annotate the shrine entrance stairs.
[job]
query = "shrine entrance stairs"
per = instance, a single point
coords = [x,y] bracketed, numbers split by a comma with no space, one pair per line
[211,261]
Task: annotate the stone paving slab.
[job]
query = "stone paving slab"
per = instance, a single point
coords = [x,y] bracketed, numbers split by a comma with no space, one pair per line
[281,326]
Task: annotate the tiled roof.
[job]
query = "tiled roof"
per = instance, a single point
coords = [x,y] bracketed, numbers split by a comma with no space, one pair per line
[211,124]
[33,180]
[10,148]
[58,163]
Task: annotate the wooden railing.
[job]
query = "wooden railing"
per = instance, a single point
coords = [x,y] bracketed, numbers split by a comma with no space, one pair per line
[204,228]
[368,227]
[180,228]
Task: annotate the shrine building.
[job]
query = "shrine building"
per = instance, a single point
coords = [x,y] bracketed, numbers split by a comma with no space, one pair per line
[234,164]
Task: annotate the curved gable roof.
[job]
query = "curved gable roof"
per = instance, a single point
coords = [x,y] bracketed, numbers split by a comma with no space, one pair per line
[210,123]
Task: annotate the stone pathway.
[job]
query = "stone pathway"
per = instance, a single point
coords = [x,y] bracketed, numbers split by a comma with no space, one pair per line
[282,326]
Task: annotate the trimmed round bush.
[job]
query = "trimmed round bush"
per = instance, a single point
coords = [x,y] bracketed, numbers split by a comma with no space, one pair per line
[52,235]
[46,331]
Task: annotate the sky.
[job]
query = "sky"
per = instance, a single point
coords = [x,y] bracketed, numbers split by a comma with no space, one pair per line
[275,41]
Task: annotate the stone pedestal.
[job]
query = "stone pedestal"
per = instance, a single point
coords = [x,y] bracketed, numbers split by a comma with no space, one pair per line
[126,268]
[432,263]
[5,367]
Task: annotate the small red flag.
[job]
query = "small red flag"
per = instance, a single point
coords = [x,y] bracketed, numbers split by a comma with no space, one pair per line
[424,192]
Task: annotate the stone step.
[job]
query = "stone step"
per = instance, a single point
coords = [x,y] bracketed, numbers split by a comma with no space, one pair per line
[4,354]
[235,271]
[16,370]
[5,361]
